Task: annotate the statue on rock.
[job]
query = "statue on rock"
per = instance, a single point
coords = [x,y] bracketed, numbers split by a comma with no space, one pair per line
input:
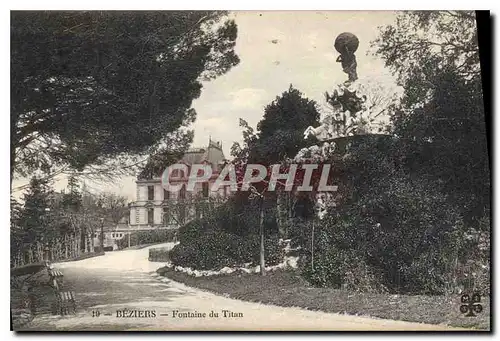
[348,107]
[346,44]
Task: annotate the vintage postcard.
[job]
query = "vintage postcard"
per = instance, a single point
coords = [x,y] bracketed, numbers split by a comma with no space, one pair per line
[249,171]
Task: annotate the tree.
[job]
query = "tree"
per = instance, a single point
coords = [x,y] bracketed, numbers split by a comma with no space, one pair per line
[16,232]
[72,201]
[114,206]
[441,119]
[92,86]
[281,130]
[280,135]
[421,42]
[413,197]
[170,152]
[34,219]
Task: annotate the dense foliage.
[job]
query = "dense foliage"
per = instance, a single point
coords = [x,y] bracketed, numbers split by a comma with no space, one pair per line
[217,249]
[414,210]
[147,237]
[90,86]
[227,237]
[64,222]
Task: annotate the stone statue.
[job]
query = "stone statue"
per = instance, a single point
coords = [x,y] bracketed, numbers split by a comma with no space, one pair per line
[345,103]
[346,44]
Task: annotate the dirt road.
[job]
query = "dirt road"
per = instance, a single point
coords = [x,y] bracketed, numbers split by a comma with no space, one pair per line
[107,285]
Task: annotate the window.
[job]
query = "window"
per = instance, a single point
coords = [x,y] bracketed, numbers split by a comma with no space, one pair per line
[151,216]
[205,189]
[165,216]
[137,216]
[151,193]
[166,194]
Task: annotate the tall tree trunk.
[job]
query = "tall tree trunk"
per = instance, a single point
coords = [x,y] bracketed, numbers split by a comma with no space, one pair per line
[92,240]
[12,152]
[39,252]
[85,242]
[66,246]
[78,243]
[73,245]
[262,255]
[281,212]
[102,237]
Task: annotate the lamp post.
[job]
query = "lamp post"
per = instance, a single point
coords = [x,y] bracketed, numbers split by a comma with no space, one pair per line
[102,234]
[46,249]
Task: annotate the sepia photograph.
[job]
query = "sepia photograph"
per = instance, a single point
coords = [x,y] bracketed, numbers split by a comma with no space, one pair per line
[188,170]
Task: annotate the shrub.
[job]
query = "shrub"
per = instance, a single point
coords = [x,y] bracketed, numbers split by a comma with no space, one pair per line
[159,255]
[227,236]
[208,252]
[401,235]
[217,249]
[328,271]
[147,237]
[273,252]
[192,231]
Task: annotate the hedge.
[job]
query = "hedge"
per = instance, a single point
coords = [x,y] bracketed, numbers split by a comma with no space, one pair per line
[217,249]
[147,237]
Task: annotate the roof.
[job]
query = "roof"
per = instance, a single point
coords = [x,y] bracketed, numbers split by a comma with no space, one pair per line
[213,154]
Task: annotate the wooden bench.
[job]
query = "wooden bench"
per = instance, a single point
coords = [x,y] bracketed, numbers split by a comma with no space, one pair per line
[65,302]
[55,278]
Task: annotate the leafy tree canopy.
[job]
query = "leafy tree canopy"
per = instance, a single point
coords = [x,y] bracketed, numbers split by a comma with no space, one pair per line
[441,120]
[420,43]
[281,130]
[89,86]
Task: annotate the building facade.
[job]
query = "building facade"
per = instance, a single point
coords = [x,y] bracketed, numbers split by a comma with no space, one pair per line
[156,207]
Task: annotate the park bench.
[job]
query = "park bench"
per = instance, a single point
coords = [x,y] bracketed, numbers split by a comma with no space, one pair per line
[55,277]
[66,302]
[27,279]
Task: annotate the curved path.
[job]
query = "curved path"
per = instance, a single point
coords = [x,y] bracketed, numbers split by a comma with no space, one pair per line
[119,280]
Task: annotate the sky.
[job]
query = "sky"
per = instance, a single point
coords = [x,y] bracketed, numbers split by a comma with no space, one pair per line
[276,49]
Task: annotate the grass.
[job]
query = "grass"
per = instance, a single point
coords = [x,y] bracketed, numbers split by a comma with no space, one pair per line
[288,289]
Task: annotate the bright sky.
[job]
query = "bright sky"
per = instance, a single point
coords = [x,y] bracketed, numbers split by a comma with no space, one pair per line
[276,49]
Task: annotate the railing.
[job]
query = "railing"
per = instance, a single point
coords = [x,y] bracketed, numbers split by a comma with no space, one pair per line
[145,227]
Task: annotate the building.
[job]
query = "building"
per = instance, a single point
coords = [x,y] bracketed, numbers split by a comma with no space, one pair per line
[156,207]
[112,234]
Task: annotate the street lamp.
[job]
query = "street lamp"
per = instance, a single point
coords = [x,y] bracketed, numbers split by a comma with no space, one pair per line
[102,234]
[46,250]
